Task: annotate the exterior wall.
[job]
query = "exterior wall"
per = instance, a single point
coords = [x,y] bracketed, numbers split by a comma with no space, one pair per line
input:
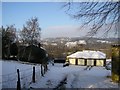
[81,62]
[86,62]
[90,62]
[99,62]
[72,61]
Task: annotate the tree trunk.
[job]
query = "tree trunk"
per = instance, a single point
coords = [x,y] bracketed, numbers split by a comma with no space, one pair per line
[8,51]
[116,63]
[29,57]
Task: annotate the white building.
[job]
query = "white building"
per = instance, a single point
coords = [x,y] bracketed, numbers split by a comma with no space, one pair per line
[103,41]
[71,44]
[54,44]
[82,42]
[87,58]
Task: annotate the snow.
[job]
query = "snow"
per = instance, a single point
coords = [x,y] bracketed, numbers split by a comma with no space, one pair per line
[9,73]
[77,76]
[90,79]
[88,54]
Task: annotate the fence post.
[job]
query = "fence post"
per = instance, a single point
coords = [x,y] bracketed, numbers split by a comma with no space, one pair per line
[42,71]
[33,77]
[18,82]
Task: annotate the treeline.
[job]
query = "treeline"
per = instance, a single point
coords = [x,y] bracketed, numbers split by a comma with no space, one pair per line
[14,44]
[61,50]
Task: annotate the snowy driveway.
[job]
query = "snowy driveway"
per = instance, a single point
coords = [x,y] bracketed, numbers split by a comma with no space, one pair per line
[77,77]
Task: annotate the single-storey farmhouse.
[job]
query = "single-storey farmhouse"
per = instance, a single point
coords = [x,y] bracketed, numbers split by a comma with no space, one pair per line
[87,58]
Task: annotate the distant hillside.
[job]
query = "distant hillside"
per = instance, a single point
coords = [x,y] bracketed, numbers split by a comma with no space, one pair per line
[66,39]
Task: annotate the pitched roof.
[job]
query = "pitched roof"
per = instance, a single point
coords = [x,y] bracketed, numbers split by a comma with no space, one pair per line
[88,54]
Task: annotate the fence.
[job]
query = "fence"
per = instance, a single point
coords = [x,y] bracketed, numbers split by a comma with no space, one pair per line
[20,78]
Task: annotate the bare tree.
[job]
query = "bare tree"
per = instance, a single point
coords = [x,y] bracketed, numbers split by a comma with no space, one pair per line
[96,14]
[30,33]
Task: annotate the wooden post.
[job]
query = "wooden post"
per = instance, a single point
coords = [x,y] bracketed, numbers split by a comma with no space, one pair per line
[33,77]
[42,70]
[85,62]
[104,62]
[76,61]
[94,62]
[18,82]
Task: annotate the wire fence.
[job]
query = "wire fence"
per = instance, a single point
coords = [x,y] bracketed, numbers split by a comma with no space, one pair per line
[10,80]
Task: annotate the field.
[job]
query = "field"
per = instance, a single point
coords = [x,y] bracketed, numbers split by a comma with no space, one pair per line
[76,76]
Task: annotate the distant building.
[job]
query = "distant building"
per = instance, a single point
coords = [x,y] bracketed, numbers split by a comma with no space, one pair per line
[71,44]
[82,42]
[87,58]
[54,44]
[45,43]
[103,41]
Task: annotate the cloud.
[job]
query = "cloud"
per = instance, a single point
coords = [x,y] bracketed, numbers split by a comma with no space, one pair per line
[75,31]
[62,31]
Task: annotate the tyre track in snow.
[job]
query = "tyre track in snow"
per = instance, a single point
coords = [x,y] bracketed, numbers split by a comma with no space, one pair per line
[78,79]
[73,79]
[61,84]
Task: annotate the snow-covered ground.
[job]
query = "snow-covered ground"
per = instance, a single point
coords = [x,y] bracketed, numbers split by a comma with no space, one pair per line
[77,76]
[9,73]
